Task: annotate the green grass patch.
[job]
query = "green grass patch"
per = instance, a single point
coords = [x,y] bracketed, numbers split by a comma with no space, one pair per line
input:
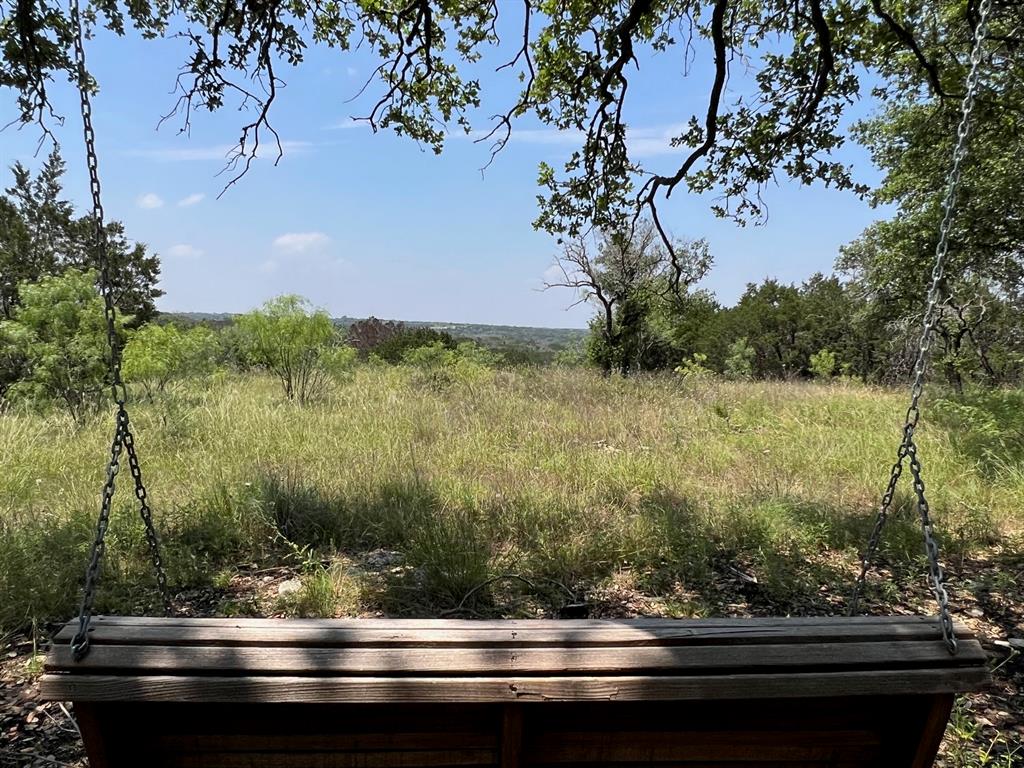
[503,495]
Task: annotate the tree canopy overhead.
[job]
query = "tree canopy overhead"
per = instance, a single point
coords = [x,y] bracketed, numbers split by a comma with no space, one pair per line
[577,62]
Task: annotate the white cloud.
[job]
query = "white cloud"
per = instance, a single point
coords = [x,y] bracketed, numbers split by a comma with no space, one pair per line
[194,199]
[646,141]
[149,200]
[347,124]
[649,142]
[220,152]
[184,251]
[268,267]
[351,71]
[301,242]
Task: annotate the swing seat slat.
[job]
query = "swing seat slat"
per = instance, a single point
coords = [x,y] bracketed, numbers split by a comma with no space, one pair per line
[431,693]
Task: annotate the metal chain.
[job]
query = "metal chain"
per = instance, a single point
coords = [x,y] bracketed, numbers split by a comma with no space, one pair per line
[123,438]
[908,447]
[153,542]
[936,576]
[80,642]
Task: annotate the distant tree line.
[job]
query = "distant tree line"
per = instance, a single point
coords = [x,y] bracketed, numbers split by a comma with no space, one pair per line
[391,340]
[649,316]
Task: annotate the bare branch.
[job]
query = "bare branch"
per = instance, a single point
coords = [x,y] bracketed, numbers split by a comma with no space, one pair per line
[257,34]
[35,65]
[649,192]
[504,124]
[808,109]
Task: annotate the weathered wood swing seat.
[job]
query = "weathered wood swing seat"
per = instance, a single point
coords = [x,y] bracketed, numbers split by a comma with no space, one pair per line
[410,693]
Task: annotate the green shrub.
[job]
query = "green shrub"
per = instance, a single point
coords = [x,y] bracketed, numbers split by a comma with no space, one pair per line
[740,361]
[572,356]
[475,354]
[59,333]
[156,355]
[693,368]
[296,343]
[339,362]
[433,365]
[394,348]
[823,364]
[438,366]
[434,355]
[516,355]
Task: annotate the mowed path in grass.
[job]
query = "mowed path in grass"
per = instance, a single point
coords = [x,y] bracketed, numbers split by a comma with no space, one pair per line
[571,481]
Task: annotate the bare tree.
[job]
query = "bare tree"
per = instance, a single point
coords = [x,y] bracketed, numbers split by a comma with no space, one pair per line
[367,334]
[582,275]
[624,273]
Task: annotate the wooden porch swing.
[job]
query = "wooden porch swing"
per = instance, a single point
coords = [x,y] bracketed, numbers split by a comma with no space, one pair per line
[721,693]
[381,693]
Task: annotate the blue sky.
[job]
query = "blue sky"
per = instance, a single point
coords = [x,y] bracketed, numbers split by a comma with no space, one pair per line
[366,224]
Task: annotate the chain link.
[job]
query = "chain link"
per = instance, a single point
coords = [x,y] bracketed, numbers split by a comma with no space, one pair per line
[908,447]
[123,440]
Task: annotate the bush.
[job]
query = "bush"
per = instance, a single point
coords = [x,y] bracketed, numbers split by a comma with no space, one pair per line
[59,335]
[475,364]
[394,349]
[438,366]
[521,355]
[471,352]
[740,361]
[366,335]
[297,344]
[434,364]
[156,355]
[435,355]
[694,368]
[572,356]
[823,364]
[339,362]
